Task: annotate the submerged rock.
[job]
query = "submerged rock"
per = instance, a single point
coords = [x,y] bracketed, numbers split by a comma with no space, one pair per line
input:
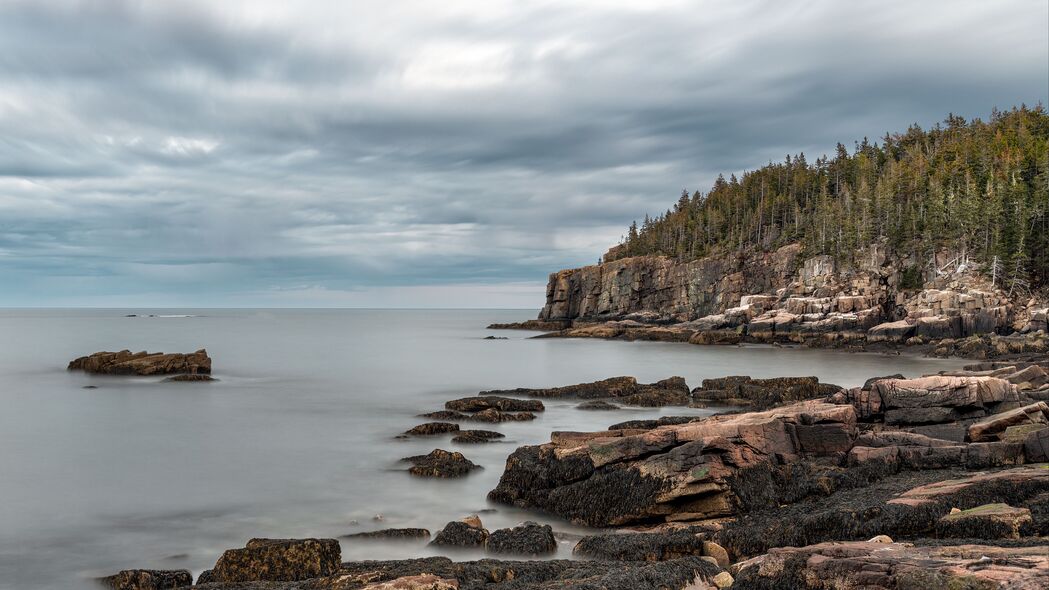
[148,580]
[596,404]
[440,463]
[126,362]
[432,429]
[190,377]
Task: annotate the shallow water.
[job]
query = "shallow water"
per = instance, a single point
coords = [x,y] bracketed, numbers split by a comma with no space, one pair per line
[296,439]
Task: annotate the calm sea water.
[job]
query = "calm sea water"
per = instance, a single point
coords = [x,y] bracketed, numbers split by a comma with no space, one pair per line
[297,437]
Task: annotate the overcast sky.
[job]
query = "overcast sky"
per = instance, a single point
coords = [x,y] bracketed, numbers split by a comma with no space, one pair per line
[433,154]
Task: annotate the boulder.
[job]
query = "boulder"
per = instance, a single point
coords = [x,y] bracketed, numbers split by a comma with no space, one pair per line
[596,404]
[503,404]
[462,533]
[148,580]
[126,362]
[440,463]
[991,428]
[419,582]
[279,560]
[528,538]
[898,331]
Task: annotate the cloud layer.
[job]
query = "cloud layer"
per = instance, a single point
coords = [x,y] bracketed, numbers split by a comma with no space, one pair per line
[421,153]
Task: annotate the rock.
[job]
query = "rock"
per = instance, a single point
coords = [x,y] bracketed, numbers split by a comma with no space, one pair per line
[990,428]
[445,415]
[503,404]
[717,552]
[190,378]
[650,424]
[462,533]
[419,582]
[723,580]
[990,521]
[408,534]
[440,463]
[760,393]
[476,436]
[432,428]
[678,471]
[895,566]
[880,539]
[898,331]
[148,580]
[278,560]
[495,416]
[1036,446]
[596,405]
[672,391]
[525,539]
[660,546]
[143,363]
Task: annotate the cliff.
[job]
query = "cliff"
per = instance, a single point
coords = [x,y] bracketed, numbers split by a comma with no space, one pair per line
[783,296]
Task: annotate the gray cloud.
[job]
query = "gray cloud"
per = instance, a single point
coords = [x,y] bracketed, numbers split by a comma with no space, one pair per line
[262,153]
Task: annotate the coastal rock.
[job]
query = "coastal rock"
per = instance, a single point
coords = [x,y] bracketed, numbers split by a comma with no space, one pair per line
[494,416]
[440,463]
[467,532]
[502,404]
[408,534]
[190,377]
[659,546]
[148,580]
[760,393]
[126,362]
[990,521]
[626,390]
[432,428]
[419,582]
[895,566]
[476,436]
[278,560]
[596,404]
[526,539]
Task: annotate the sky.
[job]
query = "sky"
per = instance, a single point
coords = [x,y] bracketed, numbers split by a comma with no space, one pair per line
[433,154]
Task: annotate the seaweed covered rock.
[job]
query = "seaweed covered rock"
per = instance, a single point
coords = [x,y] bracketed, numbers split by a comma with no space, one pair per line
[528,538]
[655,546]
[147,580]
[280,560]
[432,429]
[407,534]
[760,393]
[895,566]
[126,362]
[672,391]
[476,436]
[440,463]
[468,532]
[503,404]
[990,521]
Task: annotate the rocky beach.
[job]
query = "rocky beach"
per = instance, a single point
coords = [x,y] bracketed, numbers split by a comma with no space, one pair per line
[940,481]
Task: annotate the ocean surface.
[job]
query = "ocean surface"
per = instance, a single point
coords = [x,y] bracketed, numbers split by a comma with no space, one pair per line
[297,436]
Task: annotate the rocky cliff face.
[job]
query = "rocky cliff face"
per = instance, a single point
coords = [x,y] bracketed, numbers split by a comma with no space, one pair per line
[781,295]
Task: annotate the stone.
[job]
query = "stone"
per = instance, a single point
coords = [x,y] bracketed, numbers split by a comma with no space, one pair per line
[432,428]
[723,580]
[880,539]
[148,580]
[898,331]
[528,538]
[408,534]
[190,378]
[503,404]
[718,552]
[990,521]
[596,404]
[990,428]
[143,363]
[494,416]
[476,436]
[461,533]
[280,560]
[626,390]
[440,463]
[1036,446]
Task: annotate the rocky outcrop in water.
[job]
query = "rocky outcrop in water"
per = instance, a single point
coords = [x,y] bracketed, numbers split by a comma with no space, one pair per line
[147,580]
[277,560]
[626,390]
[440,463]
[126,362]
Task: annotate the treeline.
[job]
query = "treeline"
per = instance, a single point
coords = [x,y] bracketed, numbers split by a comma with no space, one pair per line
[979,187]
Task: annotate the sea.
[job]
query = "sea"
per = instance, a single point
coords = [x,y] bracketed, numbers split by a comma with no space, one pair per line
[297,437]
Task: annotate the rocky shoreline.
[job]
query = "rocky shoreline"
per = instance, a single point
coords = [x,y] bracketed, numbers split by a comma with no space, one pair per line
[938,482]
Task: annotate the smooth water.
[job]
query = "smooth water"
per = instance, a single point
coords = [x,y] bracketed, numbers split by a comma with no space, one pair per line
[297,436]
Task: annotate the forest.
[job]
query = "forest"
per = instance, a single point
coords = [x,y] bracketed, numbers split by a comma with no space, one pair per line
[978,187]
